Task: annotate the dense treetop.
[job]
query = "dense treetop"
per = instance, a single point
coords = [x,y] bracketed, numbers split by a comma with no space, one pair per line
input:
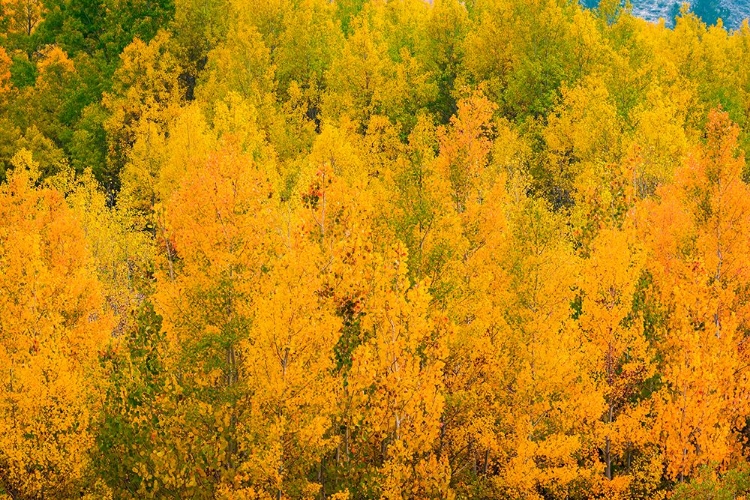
[267,249]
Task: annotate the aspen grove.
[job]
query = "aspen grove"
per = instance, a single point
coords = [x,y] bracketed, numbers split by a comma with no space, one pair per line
[359,249]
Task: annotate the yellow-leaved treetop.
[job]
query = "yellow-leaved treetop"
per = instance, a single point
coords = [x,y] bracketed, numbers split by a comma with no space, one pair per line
[218,239]
[396,378]
[52,330]
[697,234]
[5,64]
[289,362]
[618,353]
[23,16]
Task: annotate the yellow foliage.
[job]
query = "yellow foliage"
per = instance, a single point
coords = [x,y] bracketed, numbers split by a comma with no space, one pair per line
[53,329]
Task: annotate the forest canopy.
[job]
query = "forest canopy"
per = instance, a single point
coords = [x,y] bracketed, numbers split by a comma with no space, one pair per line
[353,249]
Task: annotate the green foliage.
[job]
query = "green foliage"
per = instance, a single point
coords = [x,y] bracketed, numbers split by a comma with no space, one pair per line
[23,71]
[708,485]
[138,378]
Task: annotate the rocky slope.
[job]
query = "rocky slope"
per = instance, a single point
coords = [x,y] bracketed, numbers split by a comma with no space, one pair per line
[731,12]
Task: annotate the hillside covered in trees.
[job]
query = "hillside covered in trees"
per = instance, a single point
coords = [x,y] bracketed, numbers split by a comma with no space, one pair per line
[355,249]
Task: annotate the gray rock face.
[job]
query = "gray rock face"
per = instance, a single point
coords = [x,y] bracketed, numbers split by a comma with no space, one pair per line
[731,12]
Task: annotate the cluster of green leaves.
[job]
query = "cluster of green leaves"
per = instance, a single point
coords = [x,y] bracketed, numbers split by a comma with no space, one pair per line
[58,58]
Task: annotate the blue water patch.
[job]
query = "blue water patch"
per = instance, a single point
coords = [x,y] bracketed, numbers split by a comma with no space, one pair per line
[731,12]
